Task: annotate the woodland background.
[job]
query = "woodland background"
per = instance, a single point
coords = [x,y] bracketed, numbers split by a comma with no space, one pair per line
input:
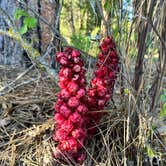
[33,31]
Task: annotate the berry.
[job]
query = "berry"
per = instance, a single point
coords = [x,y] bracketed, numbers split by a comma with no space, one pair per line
[73,102]
[70,108]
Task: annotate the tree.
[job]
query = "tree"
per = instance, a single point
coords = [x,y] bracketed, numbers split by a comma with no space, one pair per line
[10,51]
[43,37]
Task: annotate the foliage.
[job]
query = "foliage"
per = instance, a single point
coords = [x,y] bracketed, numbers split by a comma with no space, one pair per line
[150,152]
[163,110]
[81,42]
[163,96]
[28,21]
[86,23]
[126,91]
[20,13]
[163,100]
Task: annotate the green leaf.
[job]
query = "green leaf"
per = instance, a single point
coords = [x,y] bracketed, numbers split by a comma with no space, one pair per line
[150,151]
[23,29]
[95,31]
[163,96]
[19,13]
[163,111]
[154,127]
[108,6]
[31,22]
[126,91]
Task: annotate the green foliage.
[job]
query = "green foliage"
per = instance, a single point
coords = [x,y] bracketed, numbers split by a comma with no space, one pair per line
[28,21]
[150,152]
[153,127]
[86,19]
[95,31]
[108,6]
[85,44]
[163,111]
[115,29]
[81,42]
[163,96]
[163,100]
[20,13]
[126,91]
[23,29]
[94,49]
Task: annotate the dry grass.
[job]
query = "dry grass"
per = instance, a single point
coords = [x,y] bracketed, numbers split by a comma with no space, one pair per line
[26,102]
[26,126]
[26,120]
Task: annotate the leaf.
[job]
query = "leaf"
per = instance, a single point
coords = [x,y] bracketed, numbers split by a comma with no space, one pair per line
[163,96]
[154,127]
[10,31]
[150,151]
[19,13]
[23,29]
[31,22]
[108,6]
[163,111]
[126,91]
[95,31]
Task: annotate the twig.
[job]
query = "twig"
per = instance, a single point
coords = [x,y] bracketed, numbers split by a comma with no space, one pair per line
[160,141]
[14,87]
[101,12]
[32,53]
[8,18]
[154,28]
[9,86]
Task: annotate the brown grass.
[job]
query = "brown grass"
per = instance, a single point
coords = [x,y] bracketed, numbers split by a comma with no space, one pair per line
[26,126]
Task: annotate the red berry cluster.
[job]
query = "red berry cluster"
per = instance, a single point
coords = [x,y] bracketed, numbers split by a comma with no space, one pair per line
[70,107]
[76,111]
[101,86]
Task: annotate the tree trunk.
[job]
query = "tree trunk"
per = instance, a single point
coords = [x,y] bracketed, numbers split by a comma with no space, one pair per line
[47,10]
[142,33]
[10,51]
[42,36]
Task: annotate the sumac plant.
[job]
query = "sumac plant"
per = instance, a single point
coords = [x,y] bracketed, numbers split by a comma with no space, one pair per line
[78,110]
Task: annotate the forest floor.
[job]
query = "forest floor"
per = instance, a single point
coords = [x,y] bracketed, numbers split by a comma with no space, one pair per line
[26,124]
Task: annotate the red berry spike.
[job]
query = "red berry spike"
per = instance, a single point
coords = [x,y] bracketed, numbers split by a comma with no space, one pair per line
[77,110]
[70,108]
[101,86]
